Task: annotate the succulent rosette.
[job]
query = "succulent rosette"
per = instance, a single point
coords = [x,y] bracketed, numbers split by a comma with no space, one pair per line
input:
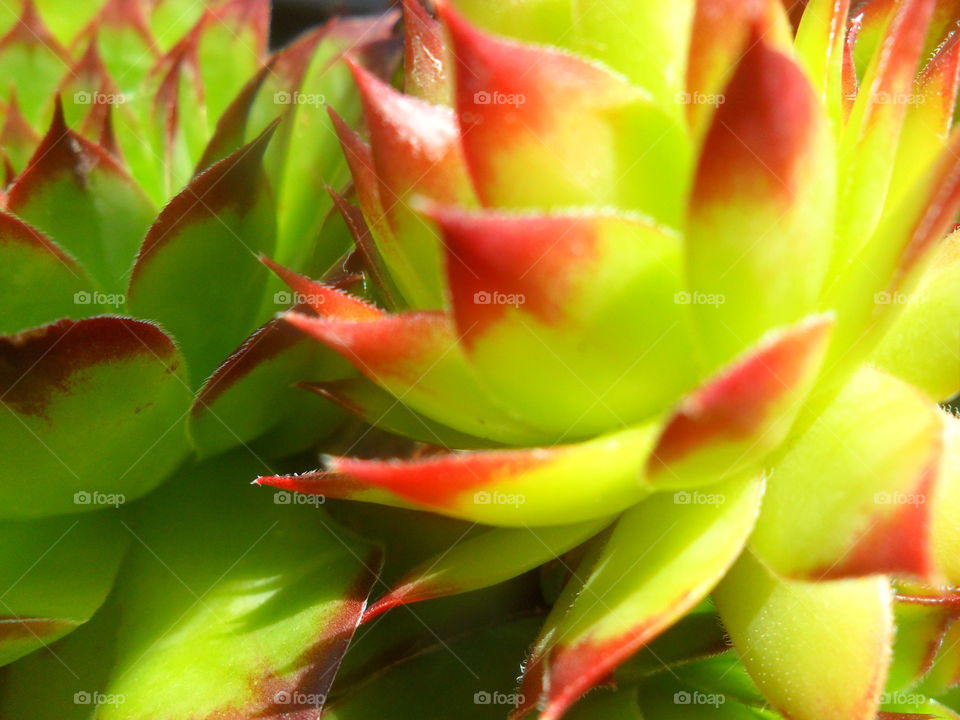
[151,151]
[669,293]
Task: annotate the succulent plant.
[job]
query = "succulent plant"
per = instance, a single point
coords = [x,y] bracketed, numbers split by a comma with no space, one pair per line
[138,339]
[646,308]
[668,293]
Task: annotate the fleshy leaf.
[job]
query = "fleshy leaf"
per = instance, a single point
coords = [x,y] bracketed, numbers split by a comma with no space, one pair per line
[668,699]
[470,678]
[530,283]
[818,651]
[168,128]
[17,138]
[923,344]
[745,411]
[40,558]
[493,557]
[121,29]
[923,616]
[93,409]
[29,50]
[39,282]
[892,262]
[308,161]
[251,393]
[524,112]
[417,358]
[821,39]
[76,193]
[696,636]
[646,42]
[854,494]
[928,120]
[278,590]
[869,144]
[541,486]
[231,47]
[720,33]
[377,407]
[944,671]
[946,530]
[661,559]
[203,248]
[416,151]
[763,198]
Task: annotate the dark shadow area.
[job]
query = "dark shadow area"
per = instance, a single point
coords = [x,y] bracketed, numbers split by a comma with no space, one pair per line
[292,17]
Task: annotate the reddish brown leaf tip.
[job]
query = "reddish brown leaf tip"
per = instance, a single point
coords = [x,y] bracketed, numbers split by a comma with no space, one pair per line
[61,151]
[18,629]
[266,343]
[899,543]
[535,257]
[736,404]
[756,144]
[36,365]
[232,182]
[326,301]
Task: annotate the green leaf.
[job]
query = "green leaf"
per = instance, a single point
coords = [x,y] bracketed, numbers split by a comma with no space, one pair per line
[50,583]
[818,651]
[93,413]
[377,407]
[763,198]
[922,621]
[661,559]
[510,488]
[171,19]
[923,344]
[619,705]
[853,494]
[252,392]
[254,624]
[667,699]
[29,50]
[472,679]
[647,42]
[231,48]
[65,19]
[76,193]
[59,683]
[197,272]
[487,559]
[699,634]
[39,282]
[309,158]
